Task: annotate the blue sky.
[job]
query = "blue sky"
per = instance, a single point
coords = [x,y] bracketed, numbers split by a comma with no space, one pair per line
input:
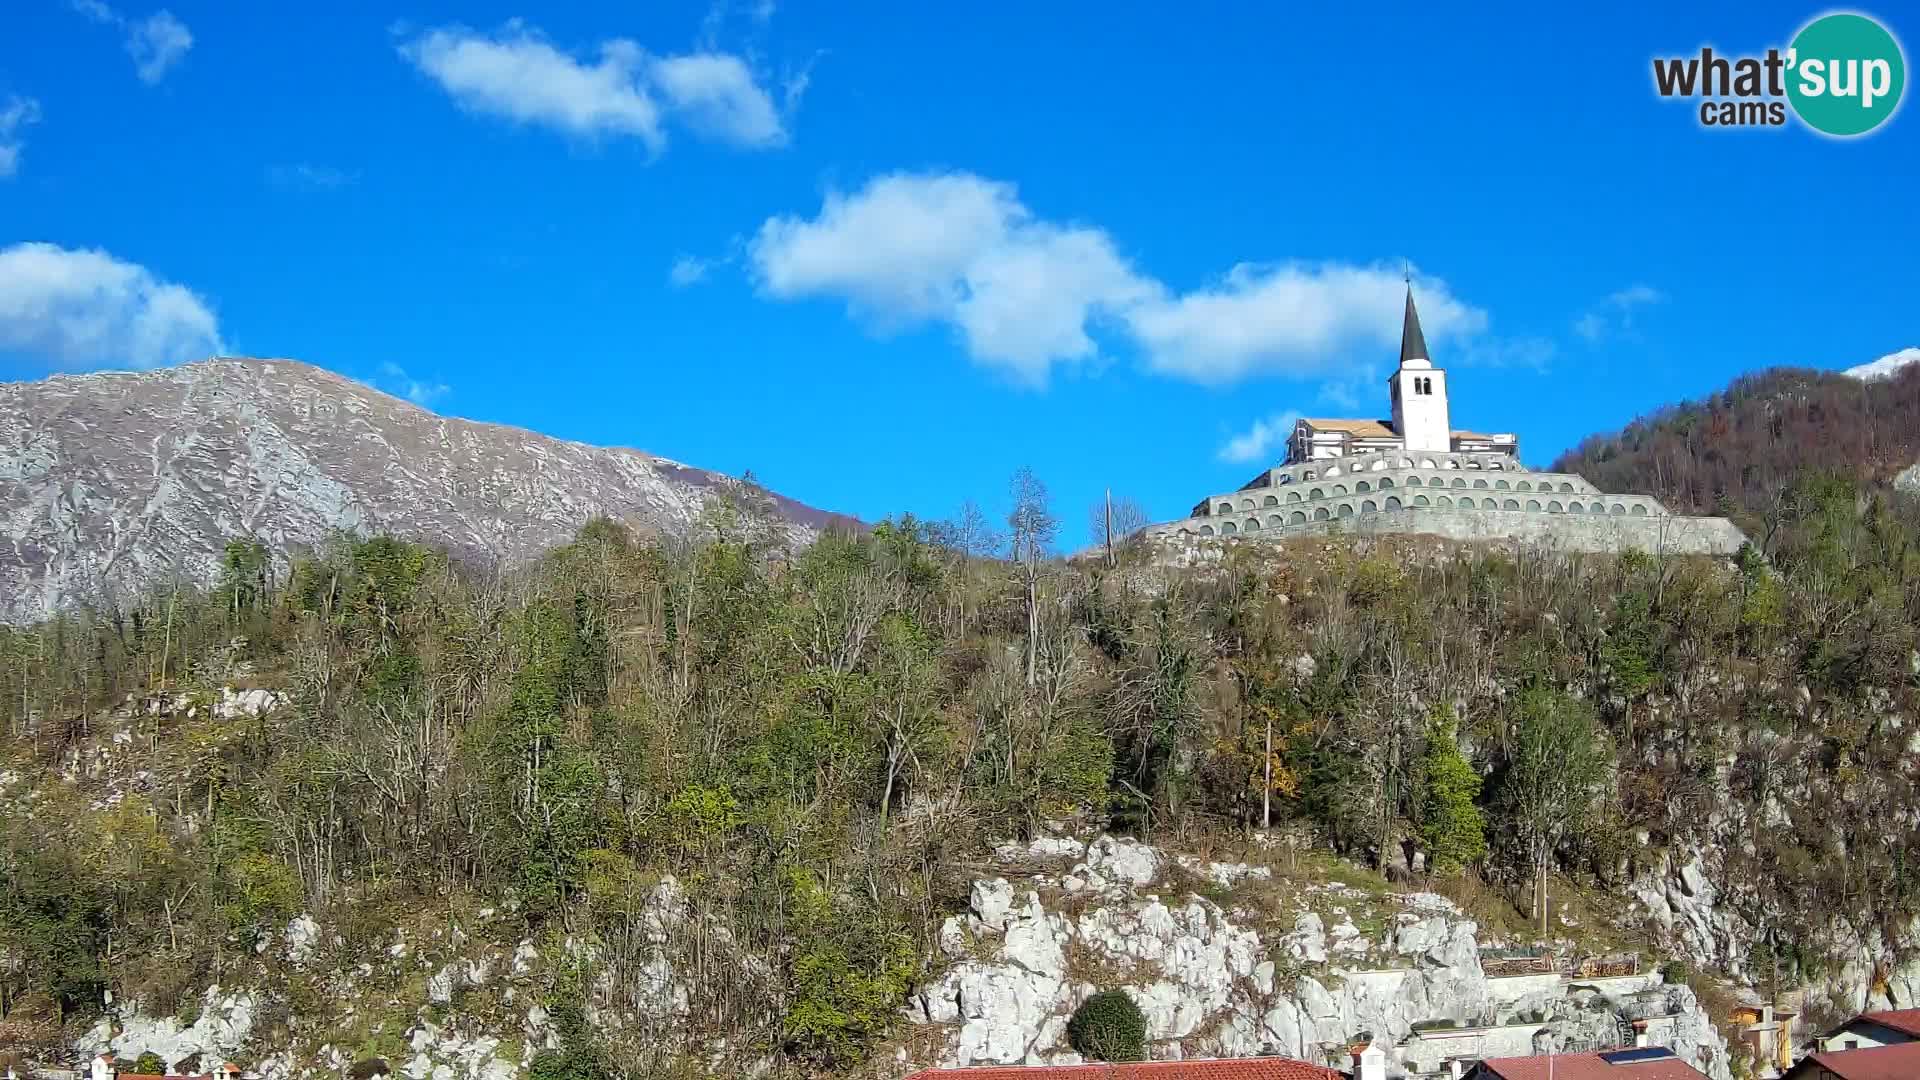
[884,254]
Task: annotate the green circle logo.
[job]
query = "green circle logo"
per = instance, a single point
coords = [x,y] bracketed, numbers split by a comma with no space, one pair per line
[1845,74]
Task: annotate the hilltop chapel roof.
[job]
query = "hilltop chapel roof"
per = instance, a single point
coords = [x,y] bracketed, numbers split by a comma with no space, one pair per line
[1362,429]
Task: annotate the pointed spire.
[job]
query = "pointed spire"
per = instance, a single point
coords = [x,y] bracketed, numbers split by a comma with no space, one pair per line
[1413,344]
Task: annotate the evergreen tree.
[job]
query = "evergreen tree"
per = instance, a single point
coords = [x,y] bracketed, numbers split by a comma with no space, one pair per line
[1451,825]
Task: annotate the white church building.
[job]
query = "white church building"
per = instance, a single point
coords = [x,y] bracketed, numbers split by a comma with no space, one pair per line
[1420,417]
[1414,473]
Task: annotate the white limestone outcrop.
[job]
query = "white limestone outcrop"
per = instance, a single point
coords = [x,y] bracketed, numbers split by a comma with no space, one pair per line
[1028,952]
[1684,902]
[302,934]
[220,1031]
[1258,965]
[446,1055]
[1685,894]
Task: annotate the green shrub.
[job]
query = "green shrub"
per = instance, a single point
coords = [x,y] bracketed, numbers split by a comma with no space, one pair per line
[851,969]
[1109,1027]
[150,1064]
[265,891]
[572,1064]
[1674,972]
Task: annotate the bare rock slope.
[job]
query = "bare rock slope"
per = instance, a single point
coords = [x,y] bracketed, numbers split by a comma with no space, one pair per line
[111,483]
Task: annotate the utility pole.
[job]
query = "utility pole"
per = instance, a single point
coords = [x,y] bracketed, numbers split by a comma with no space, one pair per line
[1266,785]
[1110,559]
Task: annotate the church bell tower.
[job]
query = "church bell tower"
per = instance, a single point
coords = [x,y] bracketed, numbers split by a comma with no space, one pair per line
[1419,391]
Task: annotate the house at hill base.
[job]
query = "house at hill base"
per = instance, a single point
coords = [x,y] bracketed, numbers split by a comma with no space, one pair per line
[1634,1063]
[1868,1030]
[1897,1061]
[1268,1068]
[1414,473]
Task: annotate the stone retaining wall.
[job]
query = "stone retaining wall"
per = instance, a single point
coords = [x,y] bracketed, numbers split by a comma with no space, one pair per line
[1655,534]
[1509,989]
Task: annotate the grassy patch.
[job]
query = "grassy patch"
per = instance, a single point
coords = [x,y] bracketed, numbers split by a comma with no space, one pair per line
[1718,998]
[1320,866]
[1084,963]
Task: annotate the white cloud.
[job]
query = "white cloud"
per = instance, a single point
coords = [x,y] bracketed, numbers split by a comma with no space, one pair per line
[1614,315]
[1291,319]
[1026,293]
[759,13]
[794,87]
[959,249]
[156,43]
[395,380]
[15,115]
[1353,389]
[303,176]
[1504,352]
[690,270]
[78,308]
[720,99]
[516,73]
[523,78]
[1886,366]
[1261,441]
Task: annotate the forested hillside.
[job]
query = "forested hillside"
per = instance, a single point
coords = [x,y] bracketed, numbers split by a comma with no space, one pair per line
[1737,451]
[818,746]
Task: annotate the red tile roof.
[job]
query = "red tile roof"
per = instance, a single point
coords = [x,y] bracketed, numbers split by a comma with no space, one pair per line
[1204,1069]
[1905,1021]
[1588,1067]
[1901,1061]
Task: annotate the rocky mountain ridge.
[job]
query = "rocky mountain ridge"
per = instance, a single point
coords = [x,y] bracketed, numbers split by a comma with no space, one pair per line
[1887,366]
[114,483]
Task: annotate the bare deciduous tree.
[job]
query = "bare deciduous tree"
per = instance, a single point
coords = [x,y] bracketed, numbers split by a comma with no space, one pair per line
[1033,528]
[1110,521]
[1559,768]
[967,532]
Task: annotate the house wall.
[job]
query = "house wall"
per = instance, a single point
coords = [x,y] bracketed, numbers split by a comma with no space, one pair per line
[1865,1035]
[1659,1030]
